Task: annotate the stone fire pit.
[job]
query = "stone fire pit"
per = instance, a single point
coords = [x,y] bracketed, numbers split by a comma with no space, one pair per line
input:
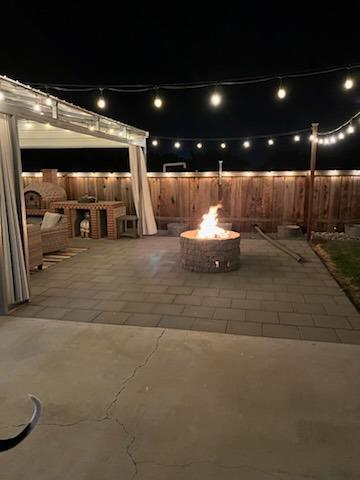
[210,254]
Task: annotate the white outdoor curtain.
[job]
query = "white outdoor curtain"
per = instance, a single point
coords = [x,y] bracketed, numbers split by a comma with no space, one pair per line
[141,191]
[13,275]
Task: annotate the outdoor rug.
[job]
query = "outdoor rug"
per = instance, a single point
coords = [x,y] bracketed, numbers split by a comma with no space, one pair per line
[51,259]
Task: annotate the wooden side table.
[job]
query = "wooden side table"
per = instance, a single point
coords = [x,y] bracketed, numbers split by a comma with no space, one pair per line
[123,226]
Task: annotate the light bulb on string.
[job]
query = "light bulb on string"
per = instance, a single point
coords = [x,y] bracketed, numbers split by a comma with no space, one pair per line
[246,144]
[223,145]
[48,102]
[154,143]
[270,141]
[101,102]
[158,102]
[37,107]
[341,136]
[199,145]
[177,145]
[297,138]
[281,93]
[350,129]
[349,83]
[326,141]
[332,139]
[321,141]
[215,98]
[2,96]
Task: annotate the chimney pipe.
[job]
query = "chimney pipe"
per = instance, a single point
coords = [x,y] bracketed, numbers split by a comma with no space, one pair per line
[50,175]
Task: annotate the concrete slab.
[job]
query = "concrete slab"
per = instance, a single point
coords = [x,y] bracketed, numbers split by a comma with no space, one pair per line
[147,403]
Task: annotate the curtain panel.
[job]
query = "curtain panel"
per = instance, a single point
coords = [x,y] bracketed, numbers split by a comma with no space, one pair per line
[14,279]
[141,191]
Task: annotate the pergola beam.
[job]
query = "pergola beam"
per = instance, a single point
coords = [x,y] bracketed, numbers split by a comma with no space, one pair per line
[21,101]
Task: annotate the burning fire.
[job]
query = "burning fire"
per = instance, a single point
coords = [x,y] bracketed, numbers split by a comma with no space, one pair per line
[209,227]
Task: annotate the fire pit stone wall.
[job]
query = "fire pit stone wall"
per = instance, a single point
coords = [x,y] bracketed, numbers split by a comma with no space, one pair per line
[210,255]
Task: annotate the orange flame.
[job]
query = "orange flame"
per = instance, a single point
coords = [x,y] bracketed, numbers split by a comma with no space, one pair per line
[209,226]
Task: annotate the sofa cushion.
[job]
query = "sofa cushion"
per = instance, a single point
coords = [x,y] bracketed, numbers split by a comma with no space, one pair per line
[50,220]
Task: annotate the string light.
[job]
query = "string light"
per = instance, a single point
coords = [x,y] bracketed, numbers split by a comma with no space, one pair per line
[154,143]
[281,93]
[132,88]
[37,107]
[349,83]
[111,131]
[101,102]
[328,138]
[215,99]
[2,96]
[158,103]
[91,128]
[323,138]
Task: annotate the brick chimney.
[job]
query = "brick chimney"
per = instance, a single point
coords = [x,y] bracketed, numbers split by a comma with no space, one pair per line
[50,175]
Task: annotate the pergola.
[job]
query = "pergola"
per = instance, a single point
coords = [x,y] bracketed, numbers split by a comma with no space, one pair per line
[30,118]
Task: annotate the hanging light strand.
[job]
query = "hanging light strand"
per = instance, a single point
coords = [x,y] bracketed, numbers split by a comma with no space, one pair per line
[138,88]
[327,137]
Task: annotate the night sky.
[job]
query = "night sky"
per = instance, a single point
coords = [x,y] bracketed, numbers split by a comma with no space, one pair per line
[189,44]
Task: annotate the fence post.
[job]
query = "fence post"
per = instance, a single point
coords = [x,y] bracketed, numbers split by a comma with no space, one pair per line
[220,191]
[313,153]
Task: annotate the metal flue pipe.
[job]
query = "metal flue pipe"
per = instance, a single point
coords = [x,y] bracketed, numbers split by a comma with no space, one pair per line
[174,164]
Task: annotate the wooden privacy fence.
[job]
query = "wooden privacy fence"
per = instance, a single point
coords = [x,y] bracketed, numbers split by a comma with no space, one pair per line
[266,198]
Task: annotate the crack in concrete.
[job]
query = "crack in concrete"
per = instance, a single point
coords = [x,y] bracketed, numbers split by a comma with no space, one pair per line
[117,396]
[128,447]
[108,409]
[133,374]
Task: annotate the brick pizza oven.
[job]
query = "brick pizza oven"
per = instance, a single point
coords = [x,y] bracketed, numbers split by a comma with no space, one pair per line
[40,195]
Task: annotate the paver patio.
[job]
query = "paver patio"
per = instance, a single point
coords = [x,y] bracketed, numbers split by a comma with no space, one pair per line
[140,282]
